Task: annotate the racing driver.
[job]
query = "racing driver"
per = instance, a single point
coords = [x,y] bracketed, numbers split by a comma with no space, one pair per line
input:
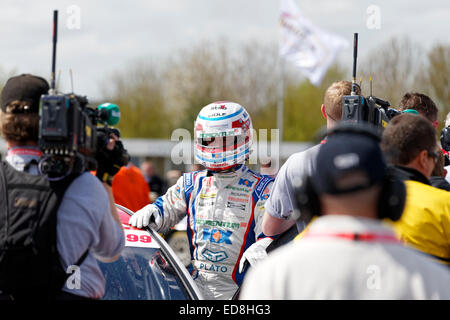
[224,203]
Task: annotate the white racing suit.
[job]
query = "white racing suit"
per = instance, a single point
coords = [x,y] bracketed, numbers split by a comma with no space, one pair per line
[224,214]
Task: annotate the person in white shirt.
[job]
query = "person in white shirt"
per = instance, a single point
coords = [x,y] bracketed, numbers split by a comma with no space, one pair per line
[347,252]
[281,204]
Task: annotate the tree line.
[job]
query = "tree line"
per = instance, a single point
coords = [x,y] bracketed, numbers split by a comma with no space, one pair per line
[158,96]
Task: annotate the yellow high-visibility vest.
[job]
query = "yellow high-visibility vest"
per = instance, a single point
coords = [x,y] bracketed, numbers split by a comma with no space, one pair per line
[425,222]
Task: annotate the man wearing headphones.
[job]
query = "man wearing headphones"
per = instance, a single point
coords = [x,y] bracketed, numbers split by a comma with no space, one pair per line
[423,104]
[409,142]
[347,252]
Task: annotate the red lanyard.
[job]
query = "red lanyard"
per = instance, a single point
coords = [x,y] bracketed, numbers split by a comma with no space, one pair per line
[25,152]
[365,236]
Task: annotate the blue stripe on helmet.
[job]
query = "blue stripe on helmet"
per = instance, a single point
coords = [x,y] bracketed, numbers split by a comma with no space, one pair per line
[224,117]
[219,160]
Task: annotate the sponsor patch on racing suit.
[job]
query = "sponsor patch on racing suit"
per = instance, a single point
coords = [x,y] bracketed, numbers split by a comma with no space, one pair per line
[224,214]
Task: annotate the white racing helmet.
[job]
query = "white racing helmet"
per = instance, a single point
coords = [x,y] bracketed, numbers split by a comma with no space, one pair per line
[222,135]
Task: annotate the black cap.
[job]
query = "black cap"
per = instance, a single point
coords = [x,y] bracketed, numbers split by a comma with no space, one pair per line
[25,87]
[348,162]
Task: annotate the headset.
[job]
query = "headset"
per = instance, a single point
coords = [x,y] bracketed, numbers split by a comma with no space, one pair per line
[445,143]
[445,138]
[392,197]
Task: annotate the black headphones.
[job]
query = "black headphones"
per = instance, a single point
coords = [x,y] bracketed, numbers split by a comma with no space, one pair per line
[445,138]
[391,201]
[445,143]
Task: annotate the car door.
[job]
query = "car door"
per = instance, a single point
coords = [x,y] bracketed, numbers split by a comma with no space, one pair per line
[147,269]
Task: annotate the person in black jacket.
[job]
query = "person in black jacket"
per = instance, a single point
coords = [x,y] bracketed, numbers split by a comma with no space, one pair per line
[409,143]
[156,184]
[437,178]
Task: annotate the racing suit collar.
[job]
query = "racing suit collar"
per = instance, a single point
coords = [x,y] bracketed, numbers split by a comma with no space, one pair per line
[223,179]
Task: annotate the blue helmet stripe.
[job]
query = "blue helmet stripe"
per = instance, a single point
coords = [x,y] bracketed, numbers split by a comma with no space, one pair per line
[224,117]
[219,160]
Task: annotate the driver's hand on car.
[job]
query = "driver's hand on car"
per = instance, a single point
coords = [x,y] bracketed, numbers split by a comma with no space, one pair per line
[255,253]
[149,215]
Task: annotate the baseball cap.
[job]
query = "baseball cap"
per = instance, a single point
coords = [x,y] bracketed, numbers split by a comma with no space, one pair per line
[24,87]
[348,162]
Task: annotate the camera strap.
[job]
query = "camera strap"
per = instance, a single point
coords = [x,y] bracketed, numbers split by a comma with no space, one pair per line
[354,236]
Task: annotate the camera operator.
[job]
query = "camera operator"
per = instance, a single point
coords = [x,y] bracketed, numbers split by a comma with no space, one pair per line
[347,252]
[426,107]
[409,143]
[422,104]
[281,204]
[87,224]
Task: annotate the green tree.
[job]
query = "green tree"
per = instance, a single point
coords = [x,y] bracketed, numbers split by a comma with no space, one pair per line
[195,78]
[217,71]
[437,78]
[395,67]
[302,102]
[138,90]
[401,65]
[156,98]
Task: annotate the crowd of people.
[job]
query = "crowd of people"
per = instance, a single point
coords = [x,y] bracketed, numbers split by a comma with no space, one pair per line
[370,209]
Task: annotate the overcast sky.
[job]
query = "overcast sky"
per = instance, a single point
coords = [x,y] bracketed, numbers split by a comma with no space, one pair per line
[114,33]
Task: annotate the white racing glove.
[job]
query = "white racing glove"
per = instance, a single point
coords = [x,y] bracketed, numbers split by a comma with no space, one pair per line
[255,253]
[149,215]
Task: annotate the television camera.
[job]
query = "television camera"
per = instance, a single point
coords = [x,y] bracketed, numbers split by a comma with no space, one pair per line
[70,137]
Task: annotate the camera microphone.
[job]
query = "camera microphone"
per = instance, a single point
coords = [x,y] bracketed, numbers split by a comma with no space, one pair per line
[109,113]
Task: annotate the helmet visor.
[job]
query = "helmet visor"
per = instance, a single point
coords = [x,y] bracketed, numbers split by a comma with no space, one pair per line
[221,140]
[222,143]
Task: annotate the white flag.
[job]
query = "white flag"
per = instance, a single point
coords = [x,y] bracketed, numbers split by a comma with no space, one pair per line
[311,49]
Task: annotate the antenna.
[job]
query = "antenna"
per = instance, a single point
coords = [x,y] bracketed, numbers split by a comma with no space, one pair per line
[71,79]
[55,39]
[355,56]
[370,81]
[58,80]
